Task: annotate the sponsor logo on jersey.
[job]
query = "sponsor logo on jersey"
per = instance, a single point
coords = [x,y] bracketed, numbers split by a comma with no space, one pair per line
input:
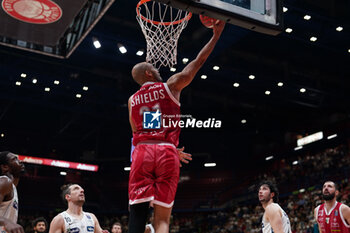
[15,205]
[336,213]
[88,216]
[33,11]
[68,220]
[152,120]
[155,120]
[90,228]
[73,230]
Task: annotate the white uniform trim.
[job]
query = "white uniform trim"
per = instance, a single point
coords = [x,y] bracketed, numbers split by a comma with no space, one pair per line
[146,83]
[171,95]
[151,228]
[316,214]
[162,203]
[342,217]
[330,211]
[142,200]
[156,143]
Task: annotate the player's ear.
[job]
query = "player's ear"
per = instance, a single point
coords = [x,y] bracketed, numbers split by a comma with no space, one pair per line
[148,73]
[4,168]
[272,195]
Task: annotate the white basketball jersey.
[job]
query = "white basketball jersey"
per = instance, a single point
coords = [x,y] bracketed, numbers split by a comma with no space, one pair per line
[9,209]
[266,226]
[74,225]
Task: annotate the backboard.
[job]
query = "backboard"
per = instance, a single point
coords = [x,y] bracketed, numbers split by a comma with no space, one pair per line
[265,16]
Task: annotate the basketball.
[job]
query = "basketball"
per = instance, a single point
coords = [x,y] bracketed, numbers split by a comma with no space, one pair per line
[208,21]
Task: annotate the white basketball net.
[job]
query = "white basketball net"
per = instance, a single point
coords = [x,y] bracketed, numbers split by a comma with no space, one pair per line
[161,25]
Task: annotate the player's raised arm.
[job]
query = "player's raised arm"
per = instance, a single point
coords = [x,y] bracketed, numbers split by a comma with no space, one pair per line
[180,80]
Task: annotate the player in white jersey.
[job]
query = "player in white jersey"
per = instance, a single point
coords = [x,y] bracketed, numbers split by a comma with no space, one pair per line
[11,169]
[274,220]
[74,219]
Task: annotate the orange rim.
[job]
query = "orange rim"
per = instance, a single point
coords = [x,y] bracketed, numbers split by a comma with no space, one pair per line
[188,17]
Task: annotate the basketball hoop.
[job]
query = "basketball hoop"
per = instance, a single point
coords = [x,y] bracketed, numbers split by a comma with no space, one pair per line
[161,25]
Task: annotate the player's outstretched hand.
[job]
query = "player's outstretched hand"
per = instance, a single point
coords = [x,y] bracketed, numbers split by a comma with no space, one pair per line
[183,156]
[11,227]
[219,27]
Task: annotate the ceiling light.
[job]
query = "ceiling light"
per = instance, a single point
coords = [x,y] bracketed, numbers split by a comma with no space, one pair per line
[78,96]
[127,168]
[298,148]
[96,43]
[251,77]
[172,69]
[295,162]
[122,49]
[185,60]
[47,89]
[243,121]
[285,9]
[302,90]
[216,68]
[85,88]
[210,165]
[18,83]
[63,173]
[313,38]
[269,158]
[34,80]
[332,136]
[339,29]
[140,52]
[23,75]
[349,50]
[236,84]
[301,190]
[2,135]
[307,17]
[204,76]
[280,84]
[267,92]
[289,30]
[56,82]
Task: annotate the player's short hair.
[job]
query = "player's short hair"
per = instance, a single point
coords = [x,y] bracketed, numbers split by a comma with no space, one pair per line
[65,190]
[273,189]
[335,184]
[4,159]
[37,220]
[118,224]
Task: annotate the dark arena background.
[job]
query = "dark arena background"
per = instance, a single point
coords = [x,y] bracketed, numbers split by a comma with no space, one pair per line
[63,99]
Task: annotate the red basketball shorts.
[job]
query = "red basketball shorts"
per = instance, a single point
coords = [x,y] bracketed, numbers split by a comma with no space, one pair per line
[154,174]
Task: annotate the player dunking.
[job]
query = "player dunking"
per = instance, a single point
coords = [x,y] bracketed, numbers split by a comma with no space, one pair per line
[332,216]
[274,220]
[155,164]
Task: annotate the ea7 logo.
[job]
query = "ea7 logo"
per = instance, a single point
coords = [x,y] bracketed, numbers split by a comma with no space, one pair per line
[152,120]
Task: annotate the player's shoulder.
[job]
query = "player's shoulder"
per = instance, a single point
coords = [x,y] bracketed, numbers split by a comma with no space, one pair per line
[6,184]
[272,209]
[58,219]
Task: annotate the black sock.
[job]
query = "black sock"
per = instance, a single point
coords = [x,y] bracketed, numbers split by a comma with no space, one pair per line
[138,217]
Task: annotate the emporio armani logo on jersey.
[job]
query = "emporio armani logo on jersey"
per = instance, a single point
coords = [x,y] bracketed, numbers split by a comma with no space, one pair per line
[155,120]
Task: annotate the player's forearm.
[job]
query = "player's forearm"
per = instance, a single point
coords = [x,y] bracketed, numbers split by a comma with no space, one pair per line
[202,56]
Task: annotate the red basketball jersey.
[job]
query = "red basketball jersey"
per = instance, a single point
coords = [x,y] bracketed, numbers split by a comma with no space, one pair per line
[333,221]
[150,98]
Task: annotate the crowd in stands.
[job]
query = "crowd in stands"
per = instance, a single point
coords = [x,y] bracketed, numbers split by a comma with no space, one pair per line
[301,183]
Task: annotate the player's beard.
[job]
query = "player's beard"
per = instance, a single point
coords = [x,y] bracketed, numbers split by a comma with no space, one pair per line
[265,200]
[328,197]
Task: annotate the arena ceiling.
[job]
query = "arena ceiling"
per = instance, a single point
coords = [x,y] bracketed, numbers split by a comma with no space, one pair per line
[94,128]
